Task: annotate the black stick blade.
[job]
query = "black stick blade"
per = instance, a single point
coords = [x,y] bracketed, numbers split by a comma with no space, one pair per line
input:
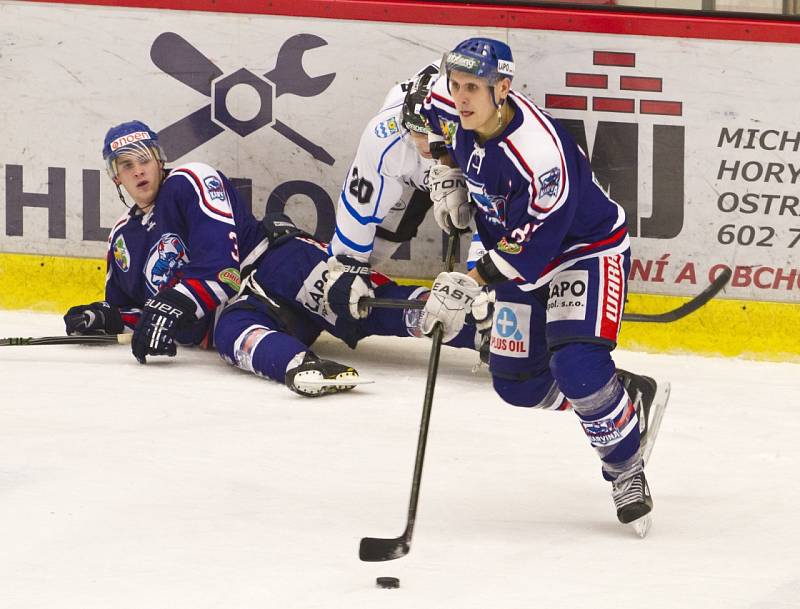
[373,549]
[91,339]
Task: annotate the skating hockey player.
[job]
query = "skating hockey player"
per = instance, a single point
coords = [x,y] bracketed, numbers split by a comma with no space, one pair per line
[558,259]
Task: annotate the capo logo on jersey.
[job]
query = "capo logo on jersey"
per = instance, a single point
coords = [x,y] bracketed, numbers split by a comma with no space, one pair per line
[178,58]
[567,298]
[165,258]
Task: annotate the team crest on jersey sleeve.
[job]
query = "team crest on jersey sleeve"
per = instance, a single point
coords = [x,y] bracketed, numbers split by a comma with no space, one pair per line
[449,129]
[549,184]
[214,188]
[122,256]
[167,256]
[212,197]
[387,128]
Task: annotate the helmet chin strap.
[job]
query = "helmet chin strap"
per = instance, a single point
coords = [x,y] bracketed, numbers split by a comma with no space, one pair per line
[122,197]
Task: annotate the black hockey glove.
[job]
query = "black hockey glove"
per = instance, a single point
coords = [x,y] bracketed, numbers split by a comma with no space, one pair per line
[347,282]
[94,318]
[163,315]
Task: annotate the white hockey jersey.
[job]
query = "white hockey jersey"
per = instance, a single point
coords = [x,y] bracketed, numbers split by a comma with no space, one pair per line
[386,168]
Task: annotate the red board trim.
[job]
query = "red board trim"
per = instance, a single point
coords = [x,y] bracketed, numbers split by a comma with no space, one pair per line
[478,15]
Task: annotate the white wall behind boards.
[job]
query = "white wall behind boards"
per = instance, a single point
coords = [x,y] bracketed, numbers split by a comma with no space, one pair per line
[697,139]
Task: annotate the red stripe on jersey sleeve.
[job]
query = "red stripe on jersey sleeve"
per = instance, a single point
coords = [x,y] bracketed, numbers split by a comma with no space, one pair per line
[199,289]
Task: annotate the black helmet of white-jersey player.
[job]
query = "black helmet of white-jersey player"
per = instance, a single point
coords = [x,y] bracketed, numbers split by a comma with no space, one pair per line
[418,90]
[485,58]
[131,140]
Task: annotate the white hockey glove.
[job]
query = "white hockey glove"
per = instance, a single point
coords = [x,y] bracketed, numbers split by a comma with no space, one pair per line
[347,282]
[483,310]
[452,297]
[450,197]
[482,314]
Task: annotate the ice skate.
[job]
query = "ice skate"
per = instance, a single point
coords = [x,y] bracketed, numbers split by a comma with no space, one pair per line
[633,501]
[650,400]
[314,377]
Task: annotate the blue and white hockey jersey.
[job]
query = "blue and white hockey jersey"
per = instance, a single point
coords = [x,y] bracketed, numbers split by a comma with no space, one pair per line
[539,208]
[385,166]
[192,239]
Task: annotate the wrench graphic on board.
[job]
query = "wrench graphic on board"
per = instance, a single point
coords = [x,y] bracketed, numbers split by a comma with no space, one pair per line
[177,57]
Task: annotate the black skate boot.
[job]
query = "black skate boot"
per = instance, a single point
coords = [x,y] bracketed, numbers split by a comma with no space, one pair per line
[650,400]
[632,500]
[314,377]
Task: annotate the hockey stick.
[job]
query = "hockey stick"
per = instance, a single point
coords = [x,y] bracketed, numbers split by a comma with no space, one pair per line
[680,312]
[375,549]
[714,288]
[99,339]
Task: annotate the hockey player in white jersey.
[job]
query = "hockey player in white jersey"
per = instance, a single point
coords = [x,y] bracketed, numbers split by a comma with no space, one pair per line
[385,196]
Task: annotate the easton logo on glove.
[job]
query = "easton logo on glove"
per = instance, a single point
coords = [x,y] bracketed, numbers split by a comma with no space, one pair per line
[453,292]
[447,184]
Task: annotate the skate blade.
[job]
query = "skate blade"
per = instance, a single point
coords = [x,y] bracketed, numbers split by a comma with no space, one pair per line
[642,525]
[344,382]
[660,400]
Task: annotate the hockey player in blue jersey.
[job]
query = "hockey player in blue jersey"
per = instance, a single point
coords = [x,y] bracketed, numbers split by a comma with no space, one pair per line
[174,256]
[557,258]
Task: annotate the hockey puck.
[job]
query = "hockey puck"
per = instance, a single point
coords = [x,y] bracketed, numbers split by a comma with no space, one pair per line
[387,582]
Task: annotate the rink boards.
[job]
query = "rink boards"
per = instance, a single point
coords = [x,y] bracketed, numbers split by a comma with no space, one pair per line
[696,137]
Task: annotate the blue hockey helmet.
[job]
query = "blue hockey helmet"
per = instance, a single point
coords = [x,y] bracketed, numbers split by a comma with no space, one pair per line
[481,57]
[131,138]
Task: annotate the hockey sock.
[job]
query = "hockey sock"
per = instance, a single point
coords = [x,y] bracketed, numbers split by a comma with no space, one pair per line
[609,421]
[266,352]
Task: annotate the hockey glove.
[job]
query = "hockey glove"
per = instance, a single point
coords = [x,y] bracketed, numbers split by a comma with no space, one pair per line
[452,297]
[450,197]
[163,315]
[94,318]
[482,315]
[348,281]
[482,310]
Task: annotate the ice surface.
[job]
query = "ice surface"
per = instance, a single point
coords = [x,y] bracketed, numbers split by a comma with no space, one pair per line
[189,484]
